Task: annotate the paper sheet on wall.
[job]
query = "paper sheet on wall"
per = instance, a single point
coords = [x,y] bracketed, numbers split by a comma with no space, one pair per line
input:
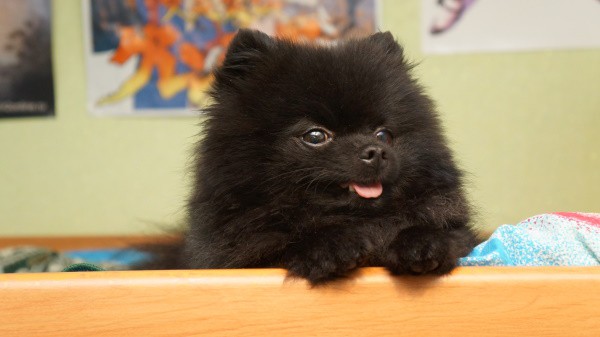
[460,26]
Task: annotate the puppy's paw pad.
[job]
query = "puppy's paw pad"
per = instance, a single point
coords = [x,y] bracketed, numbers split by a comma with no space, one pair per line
[427,254]
[424,266]
[322,264]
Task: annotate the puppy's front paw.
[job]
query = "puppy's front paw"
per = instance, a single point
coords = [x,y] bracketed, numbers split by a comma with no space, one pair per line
[421,250]
[320,263]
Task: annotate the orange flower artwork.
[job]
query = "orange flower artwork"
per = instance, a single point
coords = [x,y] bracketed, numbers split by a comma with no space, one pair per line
[157,56]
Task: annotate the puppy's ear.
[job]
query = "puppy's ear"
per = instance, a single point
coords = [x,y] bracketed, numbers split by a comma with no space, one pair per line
[246,49]
[386,41]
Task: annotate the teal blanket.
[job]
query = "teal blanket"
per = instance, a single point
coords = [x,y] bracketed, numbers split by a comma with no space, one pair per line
[555,239]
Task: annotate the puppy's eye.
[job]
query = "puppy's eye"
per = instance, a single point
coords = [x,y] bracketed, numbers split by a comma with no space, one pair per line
[384,136]
[315,137]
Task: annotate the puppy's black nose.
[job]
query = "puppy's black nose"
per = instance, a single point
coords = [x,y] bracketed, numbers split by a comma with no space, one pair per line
[373,155]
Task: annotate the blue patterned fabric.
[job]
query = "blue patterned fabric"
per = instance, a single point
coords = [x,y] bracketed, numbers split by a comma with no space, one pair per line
[556,239]
[125,257]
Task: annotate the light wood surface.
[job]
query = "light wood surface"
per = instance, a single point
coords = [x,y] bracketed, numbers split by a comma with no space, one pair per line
[476,301]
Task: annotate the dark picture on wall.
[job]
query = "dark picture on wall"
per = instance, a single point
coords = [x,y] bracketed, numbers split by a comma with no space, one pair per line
[26,84]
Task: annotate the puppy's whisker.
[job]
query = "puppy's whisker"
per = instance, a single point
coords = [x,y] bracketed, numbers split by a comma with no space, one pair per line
[315,179]
[290,174]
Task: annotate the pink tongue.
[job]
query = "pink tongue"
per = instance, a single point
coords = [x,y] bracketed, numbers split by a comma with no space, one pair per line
[369,191]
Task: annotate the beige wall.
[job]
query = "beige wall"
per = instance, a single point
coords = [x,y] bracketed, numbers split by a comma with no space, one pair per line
[526,126]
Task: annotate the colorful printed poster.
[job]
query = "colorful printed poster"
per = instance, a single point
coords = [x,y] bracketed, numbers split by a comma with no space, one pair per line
[459,26]
[26,83]
[149,57]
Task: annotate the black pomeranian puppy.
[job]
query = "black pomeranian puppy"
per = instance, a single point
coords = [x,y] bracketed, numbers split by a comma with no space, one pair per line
[320,160]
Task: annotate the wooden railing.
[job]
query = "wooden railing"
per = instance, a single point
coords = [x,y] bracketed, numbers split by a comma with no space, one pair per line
[474,301]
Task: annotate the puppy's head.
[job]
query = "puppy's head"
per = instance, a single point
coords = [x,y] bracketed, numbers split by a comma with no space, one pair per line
[341,125]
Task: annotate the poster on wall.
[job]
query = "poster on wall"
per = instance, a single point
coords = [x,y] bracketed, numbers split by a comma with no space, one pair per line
[461,26]
[155,57]
[26,83]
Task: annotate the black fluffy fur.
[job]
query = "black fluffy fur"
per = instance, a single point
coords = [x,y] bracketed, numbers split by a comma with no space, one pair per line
[265,198]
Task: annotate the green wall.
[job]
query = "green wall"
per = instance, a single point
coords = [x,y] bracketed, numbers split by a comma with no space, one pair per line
[526,126]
